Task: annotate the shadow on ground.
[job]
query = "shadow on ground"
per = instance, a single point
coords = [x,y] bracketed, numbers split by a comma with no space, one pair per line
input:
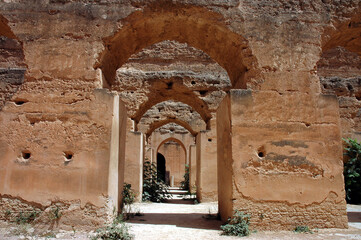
[354,216]
[185,220]
[180,201]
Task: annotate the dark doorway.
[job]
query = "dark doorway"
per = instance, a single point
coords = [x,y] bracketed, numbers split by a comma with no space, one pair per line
[161,166]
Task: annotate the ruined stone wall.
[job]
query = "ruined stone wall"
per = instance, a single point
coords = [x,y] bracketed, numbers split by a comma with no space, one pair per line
[59,153]
[56,128]
[270,47]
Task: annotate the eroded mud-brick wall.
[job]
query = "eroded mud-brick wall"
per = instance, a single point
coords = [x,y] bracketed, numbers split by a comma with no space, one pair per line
[55,125]
[285,173]
[57,129]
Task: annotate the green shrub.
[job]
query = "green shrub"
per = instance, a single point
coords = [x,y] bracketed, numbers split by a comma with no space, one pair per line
[128,199]
[128,194]
[113,232]
[154,189]
[185,182]
[26,217]
[54,214]
[352,171]
[238,225]
[302,229]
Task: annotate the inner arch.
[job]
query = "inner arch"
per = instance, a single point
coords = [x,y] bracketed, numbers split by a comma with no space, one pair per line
[193,101]
[174,140]
[159,124]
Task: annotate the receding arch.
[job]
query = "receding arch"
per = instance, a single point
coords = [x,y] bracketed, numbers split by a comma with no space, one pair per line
[175,140]
[199,27]
[159,124]
[346,34]
[189,99]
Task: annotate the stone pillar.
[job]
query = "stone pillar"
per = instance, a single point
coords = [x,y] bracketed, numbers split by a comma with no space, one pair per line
[134,154]
[206,182]
[192,166]
[154,156]
[280,159]
[148,155]
[116,161]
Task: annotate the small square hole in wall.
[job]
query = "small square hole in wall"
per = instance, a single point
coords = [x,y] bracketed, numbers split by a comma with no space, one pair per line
[26,154]
[209,139]
[261,152]
[19,102]
[68,155]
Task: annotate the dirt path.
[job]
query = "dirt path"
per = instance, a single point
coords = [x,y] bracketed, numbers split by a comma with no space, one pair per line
[184,221]
[187,221]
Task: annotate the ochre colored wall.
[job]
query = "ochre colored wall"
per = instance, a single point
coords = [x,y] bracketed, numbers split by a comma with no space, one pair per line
[134,155]
[83,130]
[275,143]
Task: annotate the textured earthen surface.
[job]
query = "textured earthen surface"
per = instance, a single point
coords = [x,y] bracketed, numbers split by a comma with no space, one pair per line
[340,74]
[63,138]
[306,166]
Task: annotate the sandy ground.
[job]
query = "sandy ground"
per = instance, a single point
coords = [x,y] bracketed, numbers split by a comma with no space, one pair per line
[186,221]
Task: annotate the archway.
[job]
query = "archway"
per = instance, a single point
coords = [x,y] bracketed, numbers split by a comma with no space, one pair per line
[339,70]
[174,152]
[201,29]
[196,26]
[156,125]
[176,91]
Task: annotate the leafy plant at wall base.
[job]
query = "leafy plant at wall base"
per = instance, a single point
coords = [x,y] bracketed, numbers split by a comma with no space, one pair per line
[26,217]
[352,171]
[302,229]
[113,232]
[238,225]
[54,214]
[7,214]
[128,199]
[128,194]
[185,182]
[154,189]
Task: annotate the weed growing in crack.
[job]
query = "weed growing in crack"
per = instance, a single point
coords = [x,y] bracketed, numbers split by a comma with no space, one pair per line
[302,229]
[26,217]
[117,230]
[54,214]
[185,182]
[238,225]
